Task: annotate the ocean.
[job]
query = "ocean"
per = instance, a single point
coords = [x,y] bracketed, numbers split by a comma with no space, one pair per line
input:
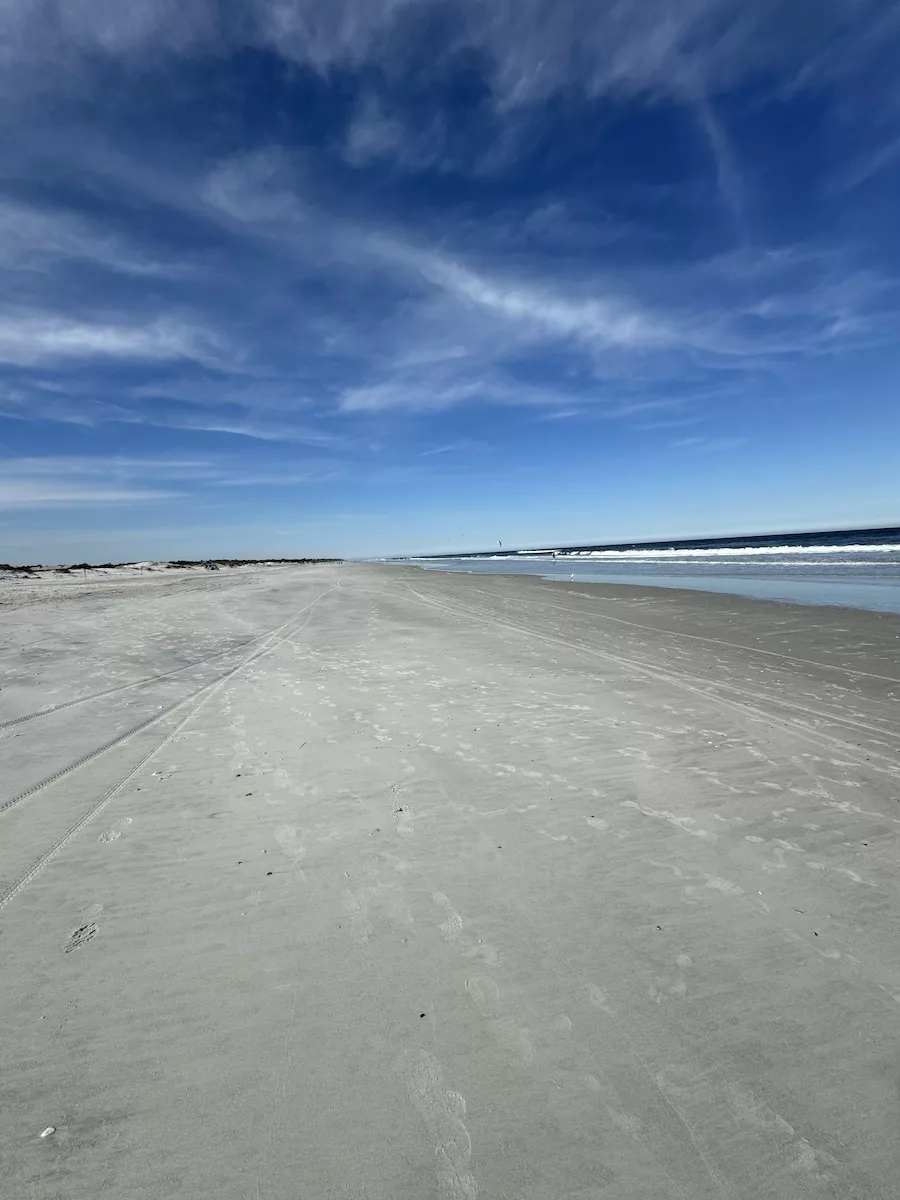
[855,568]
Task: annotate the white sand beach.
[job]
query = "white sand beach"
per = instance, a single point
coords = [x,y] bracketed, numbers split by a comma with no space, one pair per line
[376,884]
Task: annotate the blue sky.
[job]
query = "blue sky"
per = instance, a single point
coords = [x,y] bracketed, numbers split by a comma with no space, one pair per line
[376,276]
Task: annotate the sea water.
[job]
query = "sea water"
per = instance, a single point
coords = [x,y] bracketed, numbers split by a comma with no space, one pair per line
[862,575]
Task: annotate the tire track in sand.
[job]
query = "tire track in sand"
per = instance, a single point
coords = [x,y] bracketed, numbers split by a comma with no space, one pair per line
[161,714]
[201,697]
[703,688]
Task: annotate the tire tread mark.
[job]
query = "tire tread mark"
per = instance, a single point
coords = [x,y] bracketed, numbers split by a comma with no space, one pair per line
[868,727]
[700,637]
[159,716]
[124,687]
[14,888]
[205,693]
[700,689]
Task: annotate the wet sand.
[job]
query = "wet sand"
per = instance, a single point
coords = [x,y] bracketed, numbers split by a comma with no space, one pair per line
[378,884]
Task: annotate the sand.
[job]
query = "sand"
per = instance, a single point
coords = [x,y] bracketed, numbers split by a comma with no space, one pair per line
[378,884]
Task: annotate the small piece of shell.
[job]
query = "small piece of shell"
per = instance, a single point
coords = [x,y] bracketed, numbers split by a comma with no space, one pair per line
[50,1129]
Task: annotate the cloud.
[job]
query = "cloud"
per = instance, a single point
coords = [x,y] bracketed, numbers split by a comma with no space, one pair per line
[463,446]
[731,184]
[468,336]
[58,480]
[565,414]
[433,390]
[49,494]
[38,239]
[524,53]
[256,428]
[526,48]
[867,165]
[373,135]
[254,288]
[415,391]
[601,319]
[670,423]
[711,445]
[30,483]
[307,311]
[120,466]
[29,341]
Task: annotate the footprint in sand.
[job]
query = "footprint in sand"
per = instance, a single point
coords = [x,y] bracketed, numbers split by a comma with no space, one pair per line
[115,832]
[402,812]
[289,838]
[451,928]
[674,986]
[442,1111]
[356,905]
[511,1033]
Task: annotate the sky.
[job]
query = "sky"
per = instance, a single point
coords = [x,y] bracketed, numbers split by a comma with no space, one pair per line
[373,277]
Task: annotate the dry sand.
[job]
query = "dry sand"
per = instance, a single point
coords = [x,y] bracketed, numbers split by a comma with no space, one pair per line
[378,884]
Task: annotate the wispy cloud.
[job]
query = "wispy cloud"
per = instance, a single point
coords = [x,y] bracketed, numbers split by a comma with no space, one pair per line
[527,50]
[39,340]
[374,135]
[868,164]
[27,483]
[33,494]
[565,414]
[530,45]
[258,428]
[463,446]
[378,319]
[711,445]
[668,423]
[600,318]
[59,480]
[730,181]
[36,238]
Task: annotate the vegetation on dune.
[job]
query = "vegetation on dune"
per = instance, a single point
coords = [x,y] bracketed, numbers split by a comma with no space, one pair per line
[175,564]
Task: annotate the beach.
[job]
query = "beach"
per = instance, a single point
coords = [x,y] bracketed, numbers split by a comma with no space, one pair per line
[365,882]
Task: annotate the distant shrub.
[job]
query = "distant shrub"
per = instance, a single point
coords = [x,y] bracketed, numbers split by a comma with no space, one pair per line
[175,564]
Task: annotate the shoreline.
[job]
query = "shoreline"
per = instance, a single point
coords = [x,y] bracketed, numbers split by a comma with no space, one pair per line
[695,606]
[740,586]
